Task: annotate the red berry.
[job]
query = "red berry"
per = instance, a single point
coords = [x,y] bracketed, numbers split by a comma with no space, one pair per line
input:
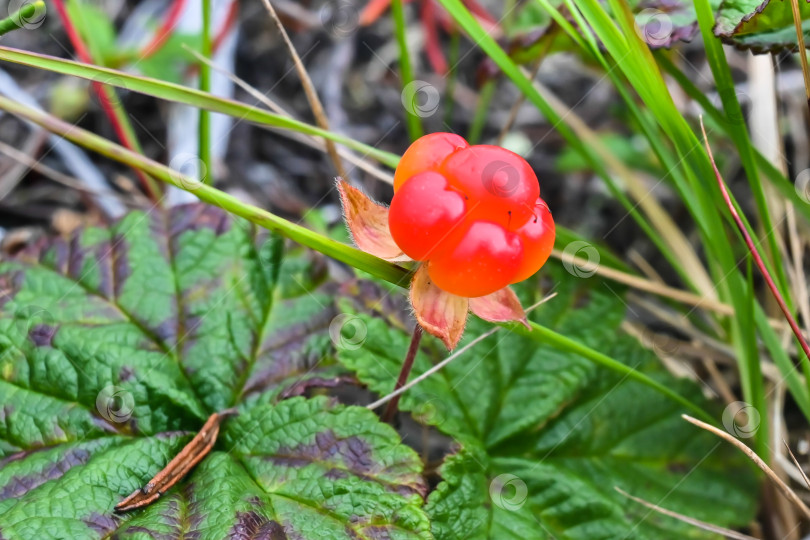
[425,154]
[474,213]
[484,260]
[423,215]
[502,186]
[537,236]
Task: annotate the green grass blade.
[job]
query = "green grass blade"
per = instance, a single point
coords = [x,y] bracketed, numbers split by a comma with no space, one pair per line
[352,256]
[204,122]
[332,248]
[639,66]
[16,20]
[774,175]
[481,111]
[413,121]
[739,134]
[542,334]
[188,96]
[511,70]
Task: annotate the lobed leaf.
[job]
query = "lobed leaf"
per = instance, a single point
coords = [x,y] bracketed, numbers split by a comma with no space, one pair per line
[116,344]
[546,434]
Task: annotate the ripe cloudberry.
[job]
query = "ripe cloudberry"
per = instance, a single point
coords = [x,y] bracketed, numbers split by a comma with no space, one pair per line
[473,213]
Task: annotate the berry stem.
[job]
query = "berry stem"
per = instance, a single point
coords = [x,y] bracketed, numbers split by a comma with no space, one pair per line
[391,409]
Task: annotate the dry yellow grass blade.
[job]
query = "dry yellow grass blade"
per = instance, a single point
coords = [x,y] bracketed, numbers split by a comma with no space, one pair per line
[778,482]
[309,140]
[309,90]
[728,533]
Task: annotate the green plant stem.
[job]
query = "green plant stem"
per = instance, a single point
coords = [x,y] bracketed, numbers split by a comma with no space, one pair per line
[188,96]
[485,96]
[413,121]
[452,77]
[15,20]
[204,135]
[377,267]
[546,335]
[358,259]
[407,365]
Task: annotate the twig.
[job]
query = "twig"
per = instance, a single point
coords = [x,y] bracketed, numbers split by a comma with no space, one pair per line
[57,176]
[754,253]
[728,533]
[413,349]
[309,90]
[189,456]
[646,285]
[443,363]
[780,484]
[796,463]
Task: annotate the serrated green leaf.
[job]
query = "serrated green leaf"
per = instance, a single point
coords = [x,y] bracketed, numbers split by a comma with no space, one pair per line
[661,24]
[761,25]
[116,344]
[555,434]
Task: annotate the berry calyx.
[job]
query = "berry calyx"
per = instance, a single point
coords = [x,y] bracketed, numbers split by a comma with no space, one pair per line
[473,213]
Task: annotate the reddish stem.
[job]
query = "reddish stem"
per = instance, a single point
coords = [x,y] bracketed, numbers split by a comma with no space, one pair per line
[754,253]
[230,20]
[170,22]
[73,34]
[391,408]
[165,31]
[433,47]
[480,13]
[84,55]
[373,10]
